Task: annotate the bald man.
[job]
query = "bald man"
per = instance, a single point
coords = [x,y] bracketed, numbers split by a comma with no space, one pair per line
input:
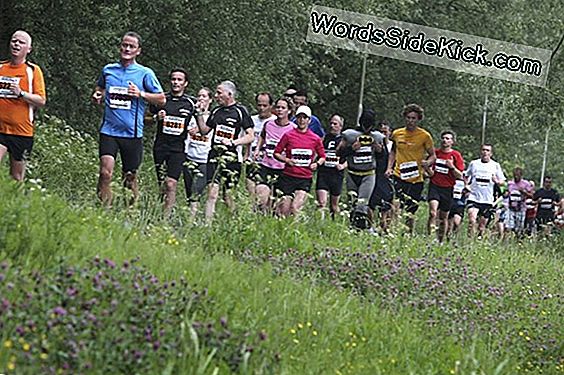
[22,92]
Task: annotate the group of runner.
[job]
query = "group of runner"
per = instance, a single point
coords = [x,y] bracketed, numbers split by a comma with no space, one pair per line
[280,148]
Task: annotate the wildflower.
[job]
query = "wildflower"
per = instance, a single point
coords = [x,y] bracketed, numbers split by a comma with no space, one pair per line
[314,333]
[11,366]
[8,344]
[296,341]
[59,311]
[308,324]
[43,356]
[292,331]
[300,325]
[26,347]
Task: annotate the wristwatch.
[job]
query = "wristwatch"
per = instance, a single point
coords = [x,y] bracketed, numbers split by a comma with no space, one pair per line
[22,94]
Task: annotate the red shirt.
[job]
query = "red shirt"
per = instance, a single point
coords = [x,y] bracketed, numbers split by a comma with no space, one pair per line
[444,177]
[302,148]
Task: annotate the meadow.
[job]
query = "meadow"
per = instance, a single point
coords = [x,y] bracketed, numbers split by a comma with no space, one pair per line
[90,290]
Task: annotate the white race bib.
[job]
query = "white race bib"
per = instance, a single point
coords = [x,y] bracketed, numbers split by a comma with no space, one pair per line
[270,146]
[173,125]
[363,155]
[409,170]
[302,157]
[483,180]
[457,190]
[119,99]
[441,166]
[224,132]
[331,159]
[5,83]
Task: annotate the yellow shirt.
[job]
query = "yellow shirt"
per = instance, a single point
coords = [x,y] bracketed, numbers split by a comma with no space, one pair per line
[410,151]
[17,115]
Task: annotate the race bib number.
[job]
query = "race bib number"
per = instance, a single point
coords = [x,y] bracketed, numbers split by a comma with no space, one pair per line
[409,170]
[546,203]
[331,159]
[224,132]
[5,83]
[458,189]
[173,125]
[441,166]
[302,157]
[198,138]
[270,146]
[483,180]
[363,155]
[119,99]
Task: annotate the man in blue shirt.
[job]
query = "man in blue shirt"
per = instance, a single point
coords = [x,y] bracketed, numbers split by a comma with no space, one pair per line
[123,88]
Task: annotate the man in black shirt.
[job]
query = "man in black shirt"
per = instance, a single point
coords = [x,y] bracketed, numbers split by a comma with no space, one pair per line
[172,129]
[549,202]
[233,129]
[330,175]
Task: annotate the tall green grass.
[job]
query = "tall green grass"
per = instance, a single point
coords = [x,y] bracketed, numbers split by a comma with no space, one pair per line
[312,327]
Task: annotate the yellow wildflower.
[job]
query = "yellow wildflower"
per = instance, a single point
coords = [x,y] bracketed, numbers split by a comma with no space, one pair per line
[8,344]
[26,347]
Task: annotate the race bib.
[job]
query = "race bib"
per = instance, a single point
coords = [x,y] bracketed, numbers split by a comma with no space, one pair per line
[331,159]
[270,146]
[224,132]
[5,83]
[483,180]
[363,155]
[409,170]
[173,125]
[302,157]
[441,166]
[458,189]
[119,99]
[546,204]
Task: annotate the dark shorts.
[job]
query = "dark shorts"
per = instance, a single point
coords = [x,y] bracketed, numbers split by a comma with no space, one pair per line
[409,194]
[485,210]
[130,150]
[18,146]
[457,208]
[224,174]
[330,180]
[289,185]
[168,163]
[267,176]
[382,195]
[194,179]
[443,195]
[544,219]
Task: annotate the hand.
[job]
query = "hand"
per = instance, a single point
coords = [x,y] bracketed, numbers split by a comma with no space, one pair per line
[313,166]
[495,179]
[161,114]
[133,90]
[389,172]
[227,142]
[377,147]
[425,163]
[340,166]
[290,162]
[356,145]
[449,163]
[193,131]
[16,89]
[256,155]
[97,97]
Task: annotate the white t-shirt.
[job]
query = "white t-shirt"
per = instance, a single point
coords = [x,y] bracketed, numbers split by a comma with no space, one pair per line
[198,147]
[480,176]
[259,125]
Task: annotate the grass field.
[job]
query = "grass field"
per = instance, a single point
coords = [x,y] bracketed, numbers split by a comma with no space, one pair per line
[88,290]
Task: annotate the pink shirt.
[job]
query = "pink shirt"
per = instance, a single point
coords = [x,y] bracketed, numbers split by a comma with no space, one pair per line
[302,148]
[272,133]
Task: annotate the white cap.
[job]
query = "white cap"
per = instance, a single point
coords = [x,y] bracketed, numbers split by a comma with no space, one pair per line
[304,109]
